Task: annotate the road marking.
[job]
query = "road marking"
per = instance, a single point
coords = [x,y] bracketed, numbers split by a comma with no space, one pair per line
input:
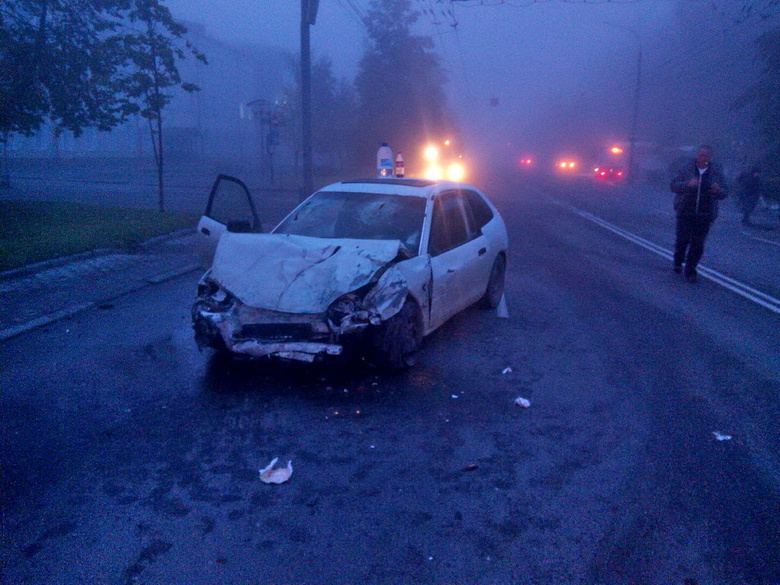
[764,240]
[742,289]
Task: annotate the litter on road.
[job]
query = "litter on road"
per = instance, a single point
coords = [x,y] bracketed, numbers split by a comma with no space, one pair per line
[524,402]
[720,436]
[506,371]
[279,475]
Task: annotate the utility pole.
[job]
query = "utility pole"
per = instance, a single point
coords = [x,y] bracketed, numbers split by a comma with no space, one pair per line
[308,18]
[635,117]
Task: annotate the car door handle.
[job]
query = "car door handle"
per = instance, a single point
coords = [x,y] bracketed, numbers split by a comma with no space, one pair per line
[482,251]
[205,231]
[450,270]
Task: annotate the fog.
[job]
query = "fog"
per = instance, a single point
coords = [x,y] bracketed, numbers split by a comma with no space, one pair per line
[546,76]
[541,78]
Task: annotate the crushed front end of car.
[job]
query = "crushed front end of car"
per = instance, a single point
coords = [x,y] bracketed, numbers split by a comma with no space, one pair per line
[296,298]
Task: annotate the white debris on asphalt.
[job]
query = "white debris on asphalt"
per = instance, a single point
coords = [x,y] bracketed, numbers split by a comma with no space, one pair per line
[506,371]
[524,402]
[280,475]
[454,396]
[720,436]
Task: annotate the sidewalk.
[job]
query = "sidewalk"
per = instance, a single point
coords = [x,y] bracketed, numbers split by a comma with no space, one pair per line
[43,293]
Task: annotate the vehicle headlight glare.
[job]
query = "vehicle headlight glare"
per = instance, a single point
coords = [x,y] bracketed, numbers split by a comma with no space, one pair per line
[433,172]
[456,172]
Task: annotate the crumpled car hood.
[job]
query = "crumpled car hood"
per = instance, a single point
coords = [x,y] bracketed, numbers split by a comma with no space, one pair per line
[296,274]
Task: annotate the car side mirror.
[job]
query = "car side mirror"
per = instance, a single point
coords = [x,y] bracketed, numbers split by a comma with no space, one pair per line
[239,226]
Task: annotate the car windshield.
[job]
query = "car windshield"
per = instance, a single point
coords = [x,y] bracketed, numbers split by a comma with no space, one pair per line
[365,216]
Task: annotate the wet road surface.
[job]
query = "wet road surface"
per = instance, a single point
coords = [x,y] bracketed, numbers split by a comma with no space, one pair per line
[129,457]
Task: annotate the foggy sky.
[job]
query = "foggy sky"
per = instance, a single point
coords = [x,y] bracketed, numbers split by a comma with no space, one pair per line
[522,72]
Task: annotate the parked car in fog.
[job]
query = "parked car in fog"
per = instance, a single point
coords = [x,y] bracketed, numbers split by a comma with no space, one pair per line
[361,268]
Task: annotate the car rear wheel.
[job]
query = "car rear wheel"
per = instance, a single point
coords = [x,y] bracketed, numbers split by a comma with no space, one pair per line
[395,341]
[495,286]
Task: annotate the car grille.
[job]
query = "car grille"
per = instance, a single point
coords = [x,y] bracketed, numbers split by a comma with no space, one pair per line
[277,332]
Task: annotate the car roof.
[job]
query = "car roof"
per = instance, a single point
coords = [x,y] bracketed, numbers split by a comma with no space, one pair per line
[396,186]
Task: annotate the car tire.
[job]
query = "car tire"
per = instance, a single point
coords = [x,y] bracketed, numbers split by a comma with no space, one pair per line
[395,342]
[494,290]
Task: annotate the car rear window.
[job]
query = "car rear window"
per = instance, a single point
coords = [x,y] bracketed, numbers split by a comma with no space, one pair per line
[366,216]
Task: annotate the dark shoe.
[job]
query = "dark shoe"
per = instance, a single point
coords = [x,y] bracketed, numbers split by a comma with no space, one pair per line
[691,277]
[677,268]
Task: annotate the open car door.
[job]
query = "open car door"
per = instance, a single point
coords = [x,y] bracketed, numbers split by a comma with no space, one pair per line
[230,207]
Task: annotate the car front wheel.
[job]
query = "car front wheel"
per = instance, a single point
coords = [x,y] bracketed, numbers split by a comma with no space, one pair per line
[395,341]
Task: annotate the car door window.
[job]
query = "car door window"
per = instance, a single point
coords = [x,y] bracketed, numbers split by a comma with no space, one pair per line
[449,228]
[480,210]
[230,201]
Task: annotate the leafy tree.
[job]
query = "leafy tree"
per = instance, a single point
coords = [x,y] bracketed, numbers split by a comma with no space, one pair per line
[400,82]
[333,108]
[764,95]
[83,63]
[60,63]
[153,51]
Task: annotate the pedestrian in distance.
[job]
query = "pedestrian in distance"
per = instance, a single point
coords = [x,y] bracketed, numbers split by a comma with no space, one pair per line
[749,192]
[698,186]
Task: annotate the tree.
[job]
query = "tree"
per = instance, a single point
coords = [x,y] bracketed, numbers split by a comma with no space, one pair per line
[61,63]
[153,52]
[80,64]
[764,95]
[400,82]
[333,112]
[334,106]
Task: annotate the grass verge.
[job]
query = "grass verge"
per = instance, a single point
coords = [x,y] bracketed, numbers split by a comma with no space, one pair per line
[41,230]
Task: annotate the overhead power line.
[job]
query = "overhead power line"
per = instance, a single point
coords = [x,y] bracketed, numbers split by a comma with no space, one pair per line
[355,12]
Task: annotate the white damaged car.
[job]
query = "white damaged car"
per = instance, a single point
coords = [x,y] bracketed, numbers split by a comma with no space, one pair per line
[359,269]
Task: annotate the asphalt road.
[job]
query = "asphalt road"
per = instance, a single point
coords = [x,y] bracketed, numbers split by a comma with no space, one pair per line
[129,457]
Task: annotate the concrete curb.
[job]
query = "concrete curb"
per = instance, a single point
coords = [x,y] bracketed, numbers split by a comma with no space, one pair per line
[42,321]
[38,322]
[57,262]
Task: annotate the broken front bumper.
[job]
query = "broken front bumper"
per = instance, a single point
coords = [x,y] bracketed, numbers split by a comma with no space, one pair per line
[224,322]
[256,333]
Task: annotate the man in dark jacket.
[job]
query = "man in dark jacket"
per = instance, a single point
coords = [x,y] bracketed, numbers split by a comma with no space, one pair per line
[698,187]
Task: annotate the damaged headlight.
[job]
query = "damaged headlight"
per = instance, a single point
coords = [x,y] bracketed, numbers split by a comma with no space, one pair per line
[212,297]
[349,311]
[207,287]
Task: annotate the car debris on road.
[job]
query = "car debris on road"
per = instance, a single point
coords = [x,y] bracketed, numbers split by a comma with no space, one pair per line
[524,402]
[269,474]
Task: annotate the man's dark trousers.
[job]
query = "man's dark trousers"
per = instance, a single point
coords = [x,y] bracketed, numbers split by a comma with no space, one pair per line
[692,230]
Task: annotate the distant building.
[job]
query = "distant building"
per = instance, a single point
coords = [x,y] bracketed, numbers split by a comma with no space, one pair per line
[214,122]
